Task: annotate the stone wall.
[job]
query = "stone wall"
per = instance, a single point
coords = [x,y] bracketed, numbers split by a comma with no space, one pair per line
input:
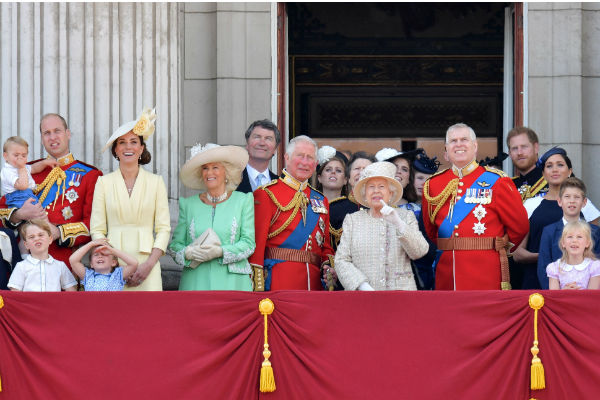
[564,84]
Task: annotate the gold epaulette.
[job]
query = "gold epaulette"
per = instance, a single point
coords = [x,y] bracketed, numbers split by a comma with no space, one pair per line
[496,171]
[337,199]
[318,191]
[438,173]
[274,181]
[5,214]
[69,232]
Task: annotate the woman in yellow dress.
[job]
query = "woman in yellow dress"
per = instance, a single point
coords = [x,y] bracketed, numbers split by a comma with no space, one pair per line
[130,205]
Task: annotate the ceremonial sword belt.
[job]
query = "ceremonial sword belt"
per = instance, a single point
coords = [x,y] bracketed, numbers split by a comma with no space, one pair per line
[481,243]
[302,256]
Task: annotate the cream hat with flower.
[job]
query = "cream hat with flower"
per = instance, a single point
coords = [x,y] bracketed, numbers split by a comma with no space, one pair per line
[234,158]
[381,169]
[143,126]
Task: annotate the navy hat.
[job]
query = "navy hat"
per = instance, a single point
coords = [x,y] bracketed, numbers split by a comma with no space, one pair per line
[550,153]
[494,161]
[424,164]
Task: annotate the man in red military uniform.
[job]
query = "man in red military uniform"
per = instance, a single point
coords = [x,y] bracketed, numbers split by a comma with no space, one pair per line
[291,225]
[475,214]
[65,192]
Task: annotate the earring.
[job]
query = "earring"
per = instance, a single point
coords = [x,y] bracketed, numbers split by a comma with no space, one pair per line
[226,180]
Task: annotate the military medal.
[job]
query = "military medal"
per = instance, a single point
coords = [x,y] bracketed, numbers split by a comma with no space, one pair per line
[318,206]
[479,227]
[67,212]
[71,195]
[322,224]
[319,238]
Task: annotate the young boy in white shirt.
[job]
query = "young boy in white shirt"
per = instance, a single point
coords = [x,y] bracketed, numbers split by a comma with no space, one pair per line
[39,272]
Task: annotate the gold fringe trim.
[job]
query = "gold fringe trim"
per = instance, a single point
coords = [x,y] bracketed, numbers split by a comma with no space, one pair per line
[538,381]
[439,200]
[267,378]
[298,202]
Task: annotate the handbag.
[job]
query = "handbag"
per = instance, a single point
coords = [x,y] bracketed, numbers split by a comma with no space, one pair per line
[207,238]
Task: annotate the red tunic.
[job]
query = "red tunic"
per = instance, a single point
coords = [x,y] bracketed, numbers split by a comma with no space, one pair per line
[470,269]
[70,214]
[289,274]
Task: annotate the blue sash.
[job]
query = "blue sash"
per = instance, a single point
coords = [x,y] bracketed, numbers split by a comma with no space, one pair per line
[74,174]
[462,209]
[297,239]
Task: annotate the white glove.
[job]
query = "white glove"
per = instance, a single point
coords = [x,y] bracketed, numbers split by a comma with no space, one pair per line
[203,253]
[366,287]
[390,215]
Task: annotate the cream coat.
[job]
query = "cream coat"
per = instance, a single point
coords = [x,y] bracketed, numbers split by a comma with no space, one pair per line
[373,250]
[133,224]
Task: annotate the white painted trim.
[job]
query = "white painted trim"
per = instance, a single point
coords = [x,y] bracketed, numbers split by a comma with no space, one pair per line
[525,65]
[508,86]
[274,93]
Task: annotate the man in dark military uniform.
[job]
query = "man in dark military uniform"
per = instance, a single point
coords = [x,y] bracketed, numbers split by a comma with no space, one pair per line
[291,225]
[65,192]
[523,148]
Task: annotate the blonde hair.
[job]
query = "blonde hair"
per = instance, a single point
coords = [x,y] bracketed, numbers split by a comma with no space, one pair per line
[40,223]
[15,140]
[577,226]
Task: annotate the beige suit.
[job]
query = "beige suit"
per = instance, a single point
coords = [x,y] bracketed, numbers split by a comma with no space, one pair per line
[372,250]
[129,222]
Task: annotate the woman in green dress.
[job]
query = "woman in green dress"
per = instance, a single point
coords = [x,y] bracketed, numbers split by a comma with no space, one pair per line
[215,232]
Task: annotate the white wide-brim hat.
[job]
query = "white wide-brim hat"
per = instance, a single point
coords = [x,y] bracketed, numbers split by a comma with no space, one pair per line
[381,169]
[234,158]
[143,126]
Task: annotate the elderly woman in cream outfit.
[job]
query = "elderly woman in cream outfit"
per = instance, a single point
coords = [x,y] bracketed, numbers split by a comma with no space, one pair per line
[377,244]
[130,205]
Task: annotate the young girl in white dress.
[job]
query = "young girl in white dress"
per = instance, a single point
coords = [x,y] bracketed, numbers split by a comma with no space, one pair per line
[578,267]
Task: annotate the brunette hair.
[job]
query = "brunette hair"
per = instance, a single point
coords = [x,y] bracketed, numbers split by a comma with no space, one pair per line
[145,158]
[572,182]
[40,223]
[519,130]
[344,168]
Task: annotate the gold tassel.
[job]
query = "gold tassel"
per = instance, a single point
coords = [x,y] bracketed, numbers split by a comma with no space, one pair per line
[538,381]
[267,378]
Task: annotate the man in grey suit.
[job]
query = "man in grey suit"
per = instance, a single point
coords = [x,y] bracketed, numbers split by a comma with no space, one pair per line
[262,139]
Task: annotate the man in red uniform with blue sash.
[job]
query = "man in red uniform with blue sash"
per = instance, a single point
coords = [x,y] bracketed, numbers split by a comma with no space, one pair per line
[291,225]
[475,213]
[65,192]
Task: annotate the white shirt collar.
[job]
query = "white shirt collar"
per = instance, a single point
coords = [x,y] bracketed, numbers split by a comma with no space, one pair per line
[253,173]
[579,267]
[35,261]
[566,222]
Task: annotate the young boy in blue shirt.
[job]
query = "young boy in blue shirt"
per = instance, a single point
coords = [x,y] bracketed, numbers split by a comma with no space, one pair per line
[572,198]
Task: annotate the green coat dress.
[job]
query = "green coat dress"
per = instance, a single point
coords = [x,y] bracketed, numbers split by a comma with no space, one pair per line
[233,221]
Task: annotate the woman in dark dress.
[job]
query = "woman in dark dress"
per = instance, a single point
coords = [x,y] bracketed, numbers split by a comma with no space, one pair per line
[543,211]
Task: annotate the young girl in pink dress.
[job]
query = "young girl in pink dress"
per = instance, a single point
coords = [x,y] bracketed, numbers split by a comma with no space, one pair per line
[578,267]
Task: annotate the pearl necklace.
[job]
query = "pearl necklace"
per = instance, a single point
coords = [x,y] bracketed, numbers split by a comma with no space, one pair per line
[216,199]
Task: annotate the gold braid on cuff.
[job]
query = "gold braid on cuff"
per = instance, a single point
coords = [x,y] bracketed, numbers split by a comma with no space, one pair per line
[69,232]
[258,278]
